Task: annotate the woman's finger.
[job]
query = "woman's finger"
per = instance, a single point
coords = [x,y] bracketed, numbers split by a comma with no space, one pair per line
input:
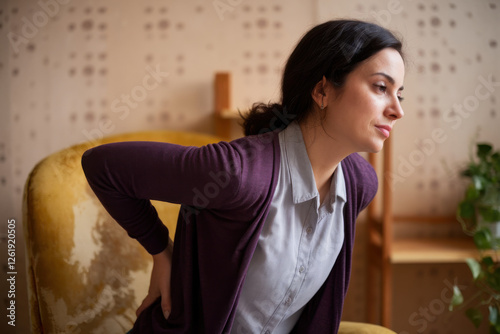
[166,304]
[145,303]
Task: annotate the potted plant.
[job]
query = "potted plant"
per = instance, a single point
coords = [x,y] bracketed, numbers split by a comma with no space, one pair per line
[479,214]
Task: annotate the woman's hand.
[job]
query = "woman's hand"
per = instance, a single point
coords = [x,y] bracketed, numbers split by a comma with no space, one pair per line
[160,282]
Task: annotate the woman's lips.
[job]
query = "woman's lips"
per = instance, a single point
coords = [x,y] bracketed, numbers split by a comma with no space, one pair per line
[385,129]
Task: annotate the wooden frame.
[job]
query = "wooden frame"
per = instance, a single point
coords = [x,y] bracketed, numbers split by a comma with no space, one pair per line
[384,251]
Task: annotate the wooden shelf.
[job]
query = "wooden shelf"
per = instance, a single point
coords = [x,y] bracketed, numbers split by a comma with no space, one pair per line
[385,250]
[228,114]
[432,250]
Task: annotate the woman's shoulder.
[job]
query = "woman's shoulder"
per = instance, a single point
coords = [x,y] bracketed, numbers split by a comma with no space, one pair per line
[254,161]
[265,142]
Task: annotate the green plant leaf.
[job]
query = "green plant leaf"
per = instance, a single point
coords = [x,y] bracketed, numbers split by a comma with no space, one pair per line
[457,298]
[474,266]
[494,318]
[490,215]
[471,193]
[483,150]
[483,239]
[495,215]
[466,210]
[475,316]
[487,261]
[478,183]
[495,159]
[493,278]
[496,243]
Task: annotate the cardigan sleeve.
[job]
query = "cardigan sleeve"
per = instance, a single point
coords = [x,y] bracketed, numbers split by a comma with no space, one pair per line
[126,176]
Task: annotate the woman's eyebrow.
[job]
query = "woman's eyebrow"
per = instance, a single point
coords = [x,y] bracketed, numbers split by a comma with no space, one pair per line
[389,78]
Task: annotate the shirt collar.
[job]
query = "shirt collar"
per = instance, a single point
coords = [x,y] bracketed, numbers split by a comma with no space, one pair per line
[338,184]
[302,176]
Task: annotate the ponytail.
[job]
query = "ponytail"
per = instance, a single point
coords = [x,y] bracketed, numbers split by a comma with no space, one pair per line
[263,118]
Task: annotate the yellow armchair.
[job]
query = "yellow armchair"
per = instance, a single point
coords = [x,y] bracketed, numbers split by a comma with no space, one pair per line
[85,275]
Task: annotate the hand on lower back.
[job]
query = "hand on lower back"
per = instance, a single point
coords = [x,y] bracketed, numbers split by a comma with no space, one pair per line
[159,285]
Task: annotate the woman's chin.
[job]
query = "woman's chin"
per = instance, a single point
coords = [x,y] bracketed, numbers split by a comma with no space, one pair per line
[374,147]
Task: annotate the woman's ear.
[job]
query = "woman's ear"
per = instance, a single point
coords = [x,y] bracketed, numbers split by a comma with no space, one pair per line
[319,93]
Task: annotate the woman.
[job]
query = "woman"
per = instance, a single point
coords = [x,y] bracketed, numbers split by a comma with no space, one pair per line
[268,246]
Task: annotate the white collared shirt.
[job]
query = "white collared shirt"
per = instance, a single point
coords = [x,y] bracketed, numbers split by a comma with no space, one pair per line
[298,245]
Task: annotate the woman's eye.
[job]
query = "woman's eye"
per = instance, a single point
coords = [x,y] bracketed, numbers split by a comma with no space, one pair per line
[400,98]
[381,88]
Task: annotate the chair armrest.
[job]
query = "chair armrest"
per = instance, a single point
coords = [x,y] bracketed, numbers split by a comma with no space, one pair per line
[348,327]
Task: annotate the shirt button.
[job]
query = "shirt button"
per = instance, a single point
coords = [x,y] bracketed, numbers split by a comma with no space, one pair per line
[288,301]
[302,269]
[309,230]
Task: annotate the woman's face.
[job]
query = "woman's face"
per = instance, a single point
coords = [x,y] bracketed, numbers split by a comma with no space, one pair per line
[362,113]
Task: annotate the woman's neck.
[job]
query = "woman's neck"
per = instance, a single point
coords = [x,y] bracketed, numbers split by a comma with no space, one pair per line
[324,152]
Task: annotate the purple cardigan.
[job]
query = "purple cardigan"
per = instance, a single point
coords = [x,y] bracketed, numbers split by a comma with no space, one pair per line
[225,190]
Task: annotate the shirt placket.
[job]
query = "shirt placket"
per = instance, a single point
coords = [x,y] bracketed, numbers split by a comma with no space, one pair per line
[304,251]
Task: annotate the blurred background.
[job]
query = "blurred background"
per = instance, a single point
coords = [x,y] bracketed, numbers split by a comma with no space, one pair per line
[73,71]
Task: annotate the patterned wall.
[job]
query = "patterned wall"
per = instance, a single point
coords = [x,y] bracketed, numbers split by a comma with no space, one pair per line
[96,68]
[71,71]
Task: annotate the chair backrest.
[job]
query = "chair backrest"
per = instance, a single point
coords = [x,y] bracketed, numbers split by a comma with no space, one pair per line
[84,273]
